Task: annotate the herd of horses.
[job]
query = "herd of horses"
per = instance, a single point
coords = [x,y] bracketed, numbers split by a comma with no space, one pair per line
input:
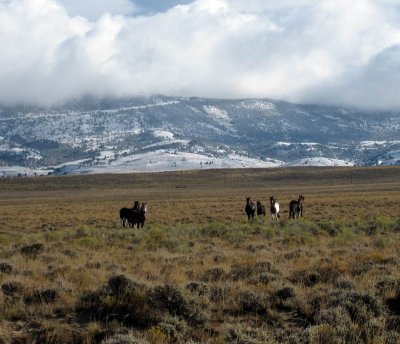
[295,208]
[136,216]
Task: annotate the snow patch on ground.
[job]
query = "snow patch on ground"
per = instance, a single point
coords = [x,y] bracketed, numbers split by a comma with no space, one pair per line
[220,116]
[319,161]
[163,134]
[142,107]
[377,143]
[288,144]
[166,143]
[283,144]
[258,105]
[161,161]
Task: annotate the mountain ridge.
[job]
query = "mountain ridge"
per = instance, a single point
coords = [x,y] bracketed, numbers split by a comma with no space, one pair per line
[262,130]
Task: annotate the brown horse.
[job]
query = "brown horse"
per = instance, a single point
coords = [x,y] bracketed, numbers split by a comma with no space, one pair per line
[260,209]
[296,208]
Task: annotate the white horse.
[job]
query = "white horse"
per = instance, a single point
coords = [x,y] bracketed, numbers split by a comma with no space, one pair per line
[274,208]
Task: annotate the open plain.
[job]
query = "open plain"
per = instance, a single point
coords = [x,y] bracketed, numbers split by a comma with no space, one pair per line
[199,272]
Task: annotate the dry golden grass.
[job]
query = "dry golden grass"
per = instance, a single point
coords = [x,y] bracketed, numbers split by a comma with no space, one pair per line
[332,277]
[196,197]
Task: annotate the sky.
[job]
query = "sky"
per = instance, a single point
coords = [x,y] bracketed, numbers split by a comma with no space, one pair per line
[334,52]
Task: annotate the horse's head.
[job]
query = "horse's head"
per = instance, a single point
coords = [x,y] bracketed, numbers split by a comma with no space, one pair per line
[143,207]
[258,204]
[301,199]
[272,199]
[248,199]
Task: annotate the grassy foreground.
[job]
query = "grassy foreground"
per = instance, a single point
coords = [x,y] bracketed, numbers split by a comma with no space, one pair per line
[199,272]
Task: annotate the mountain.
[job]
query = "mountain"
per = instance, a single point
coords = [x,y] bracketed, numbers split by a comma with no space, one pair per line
[167,133]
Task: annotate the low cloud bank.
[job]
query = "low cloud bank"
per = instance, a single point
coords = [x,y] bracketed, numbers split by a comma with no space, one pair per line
[334,52]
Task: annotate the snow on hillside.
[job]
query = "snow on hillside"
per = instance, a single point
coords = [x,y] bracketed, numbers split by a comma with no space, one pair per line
[218,115]
[163,134]
[142,107]
[258,105]
[389,159]
[320,161]
[168,139]
[117,134]
[161,161]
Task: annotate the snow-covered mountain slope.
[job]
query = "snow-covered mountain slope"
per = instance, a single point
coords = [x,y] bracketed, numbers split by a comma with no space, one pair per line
[161,161]
[103,134]
[391,158]
[319,161]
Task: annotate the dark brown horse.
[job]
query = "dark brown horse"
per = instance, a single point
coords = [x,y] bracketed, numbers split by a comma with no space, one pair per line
[260,209]
[296,208]
[137,218]
[125,213]
[250,208]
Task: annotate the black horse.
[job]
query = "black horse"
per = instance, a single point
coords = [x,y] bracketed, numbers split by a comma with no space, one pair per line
[137,218]
[260,209]
[126,213]
[250,208]
[296,208]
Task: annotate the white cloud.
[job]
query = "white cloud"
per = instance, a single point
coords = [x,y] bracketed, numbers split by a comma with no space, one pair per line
[331,51]
[374,85]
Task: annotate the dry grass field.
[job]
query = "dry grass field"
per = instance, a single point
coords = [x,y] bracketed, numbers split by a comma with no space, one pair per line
[199,272]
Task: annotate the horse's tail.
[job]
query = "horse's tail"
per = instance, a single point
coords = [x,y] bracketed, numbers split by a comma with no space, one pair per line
[122,217]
